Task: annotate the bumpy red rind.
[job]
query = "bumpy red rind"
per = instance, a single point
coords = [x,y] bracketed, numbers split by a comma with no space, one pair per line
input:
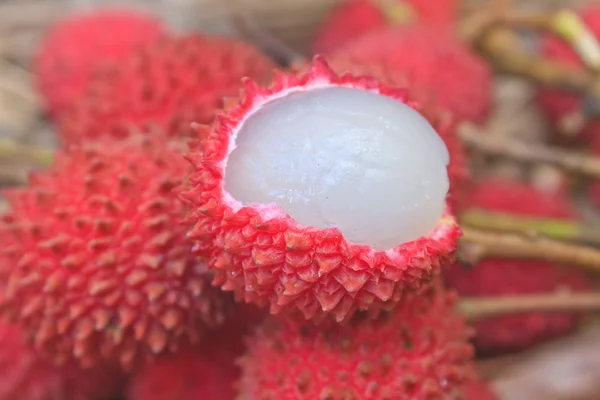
[164,86]
[26,375]
[278,262]
[75,46]
[418,351]
[95,264]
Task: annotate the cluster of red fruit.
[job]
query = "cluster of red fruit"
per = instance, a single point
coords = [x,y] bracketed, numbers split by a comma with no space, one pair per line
[121,265]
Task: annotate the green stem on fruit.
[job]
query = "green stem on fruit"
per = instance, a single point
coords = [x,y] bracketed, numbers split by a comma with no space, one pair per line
[565,230]
[570,161]
[397,13]
[10,149]
[476,308]
[478,244]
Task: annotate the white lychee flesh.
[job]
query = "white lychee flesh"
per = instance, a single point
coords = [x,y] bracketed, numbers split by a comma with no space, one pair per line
[342,157]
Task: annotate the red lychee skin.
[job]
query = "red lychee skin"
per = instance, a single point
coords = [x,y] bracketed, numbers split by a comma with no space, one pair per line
[95,263]
[350,20]
[206,371]
[497,276]
[75,46]
[418,351]
[26,375]
[557,104]
[411,56]
[479,390]
[594,188]
[167,85]
[283,264]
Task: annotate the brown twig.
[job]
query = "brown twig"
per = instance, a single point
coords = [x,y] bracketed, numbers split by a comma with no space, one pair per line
[477,244]
[530,153]
[485,307]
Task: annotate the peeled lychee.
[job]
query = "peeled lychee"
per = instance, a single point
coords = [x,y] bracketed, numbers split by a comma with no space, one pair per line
[557,104]
[26,375]
[95,264]
[351,19]
[413,57]
[324,194]
[165,86]
[418,351]
[497,276]
[77,45]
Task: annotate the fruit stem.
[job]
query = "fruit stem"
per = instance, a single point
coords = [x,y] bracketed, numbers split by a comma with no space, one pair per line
[397,13]
[477,244]
[37,155]
[484,307]
[530,153]
[565,230]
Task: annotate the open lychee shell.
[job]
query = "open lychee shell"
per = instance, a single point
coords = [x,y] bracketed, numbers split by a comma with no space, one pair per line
[264,256]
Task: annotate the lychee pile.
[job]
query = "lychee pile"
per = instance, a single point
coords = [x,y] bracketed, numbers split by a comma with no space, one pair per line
[506,277]
[218,226]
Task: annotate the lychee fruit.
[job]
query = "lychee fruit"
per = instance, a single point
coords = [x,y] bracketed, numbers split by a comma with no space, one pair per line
[95,263]
[418,351]
[204,371]
[479,390]
[558,104]
[166,86]
[412,56]
[351,19]
[322,193]
[75,46]
[497,276]
[27,375]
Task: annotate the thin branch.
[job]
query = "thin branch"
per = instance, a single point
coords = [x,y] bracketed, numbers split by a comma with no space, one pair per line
[560,229]
[485,307]
[530,153]
[10,149]
[478,244]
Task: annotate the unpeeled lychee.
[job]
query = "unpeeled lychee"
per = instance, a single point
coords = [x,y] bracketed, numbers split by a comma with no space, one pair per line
[351,19]
[304,260]
[165,86]
[75,46]
[204,371]
[497,276]
[27,375]
[557,104]
[479,390]
[412,57]
[418,351]
[95,264]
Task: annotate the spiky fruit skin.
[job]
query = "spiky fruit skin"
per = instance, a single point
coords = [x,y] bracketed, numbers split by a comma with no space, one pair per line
[75,46]
[205,371]
[167,85]
[267,258]
[26,375]
[418,351]
[350,20]
[497,276]
[411,56]
[95,263]
[557,104]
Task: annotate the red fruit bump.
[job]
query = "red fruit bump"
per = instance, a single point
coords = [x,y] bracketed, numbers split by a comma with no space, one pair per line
[412,56]
[351,19]
[510,277]
[27,375]
[95,264]
[164,86]
[75,46]
[418,351]
[300,197]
